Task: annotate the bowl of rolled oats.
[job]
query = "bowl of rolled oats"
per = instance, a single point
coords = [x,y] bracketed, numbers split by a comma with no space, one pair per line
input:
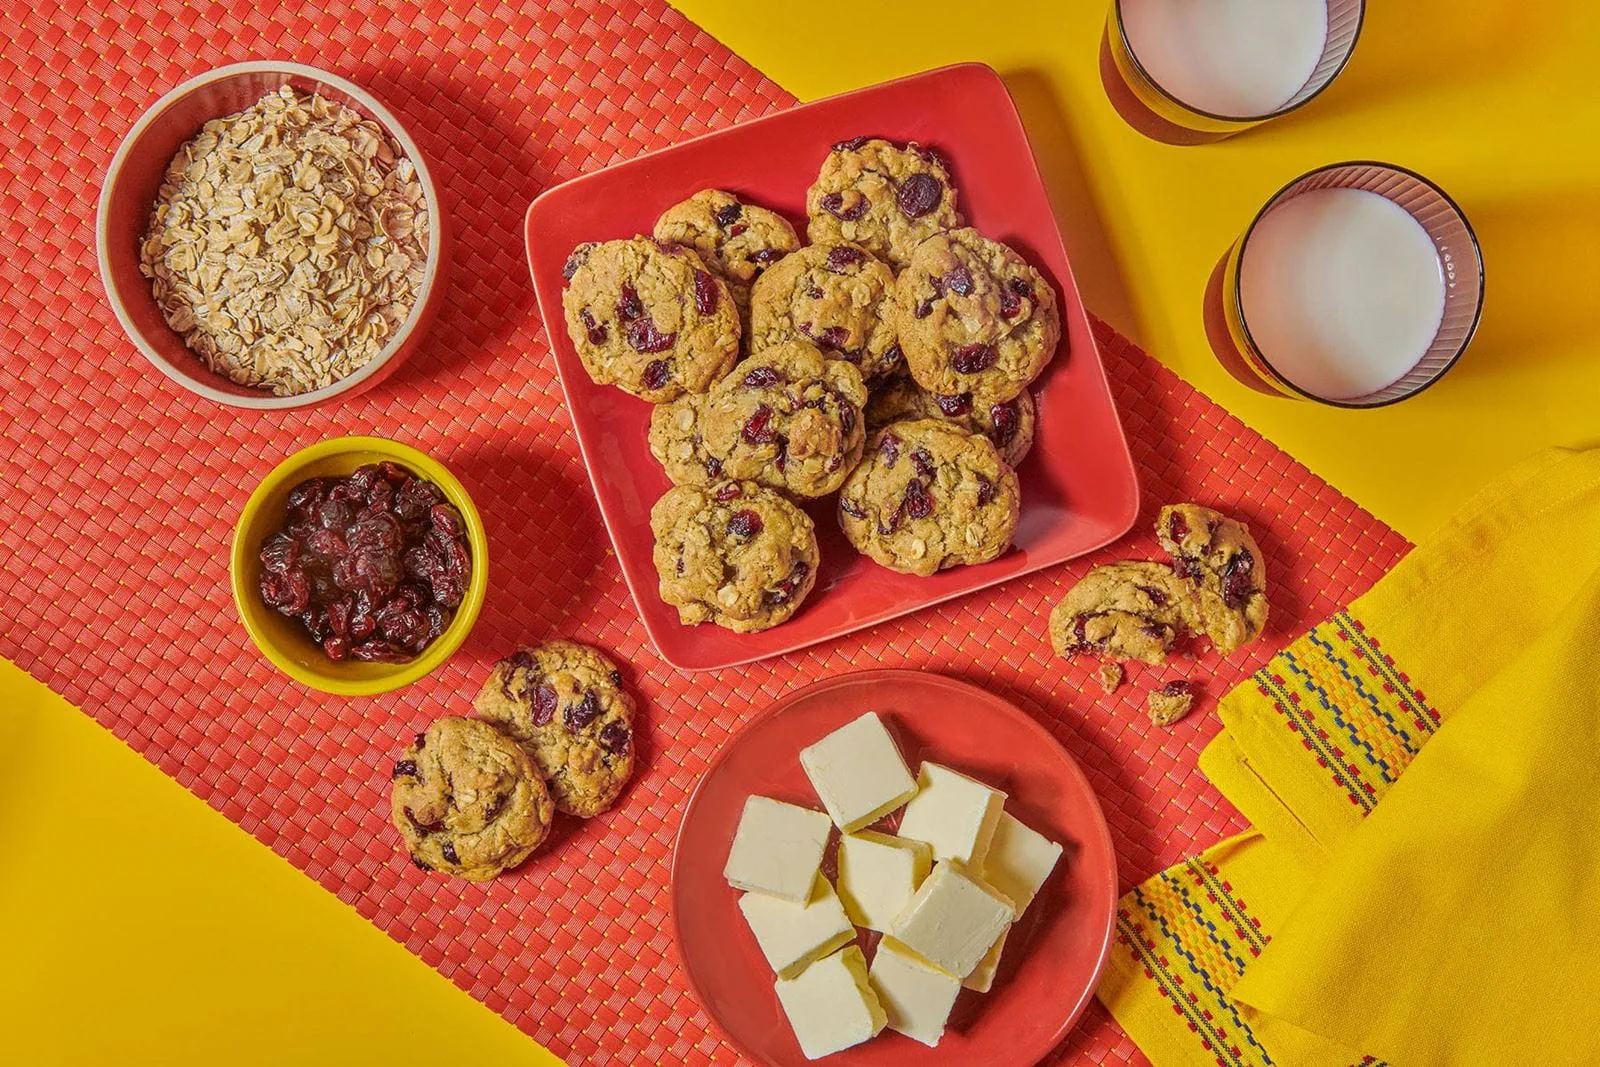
[270,236]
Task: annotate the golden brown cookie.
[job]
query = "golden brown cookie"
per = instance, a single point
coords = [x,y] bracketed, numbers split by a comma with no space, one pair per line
[1008,423]
[881,196]
[736,240]
[929,495]
[564,703]
[468,800]
[838,297]
[734,553]
[1223,566]
[973,317]
[649,318]
[1122,611]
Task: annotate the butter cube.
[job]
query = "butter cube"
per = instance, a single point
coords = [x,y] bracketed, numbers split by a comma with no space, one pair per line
[953,813]
[878,873]
[793,935]
[982,978]
[953,920]
[1019,860]
[858,772]
[916,998]
[777,849]
[831,1005]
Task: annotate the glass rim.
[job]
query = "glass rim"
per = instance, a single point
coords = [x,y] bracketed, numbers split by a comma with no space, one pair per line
[1333,75]
[1278,197]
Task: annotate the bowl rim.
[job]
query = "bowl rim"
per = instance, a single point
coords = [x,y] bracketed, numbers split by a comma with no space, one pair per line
[466,615]
[375,110]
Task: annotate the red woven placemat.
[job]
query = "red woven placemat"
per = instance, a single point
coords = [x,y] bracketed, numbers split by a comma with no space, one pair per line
[121,490]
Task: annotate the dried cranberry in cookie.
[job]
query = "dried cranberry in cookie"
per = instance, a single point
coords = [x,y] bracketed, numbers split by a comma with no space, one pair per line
[838,297]
[1009,424]
[468,800]
[736,554]
[736,240]
[1223,565]
[930,495]
[563,702]
[974,318]
[649,317]
[881,196]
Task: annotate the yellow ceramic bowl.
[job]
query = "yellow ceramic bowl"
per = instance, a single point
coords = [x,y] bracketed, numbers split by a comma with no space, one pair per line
[283,640]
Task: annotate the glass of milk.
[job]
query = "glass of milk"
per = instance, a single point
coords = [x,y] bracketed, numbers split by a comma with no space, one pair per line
[1357,285]
[1221,66]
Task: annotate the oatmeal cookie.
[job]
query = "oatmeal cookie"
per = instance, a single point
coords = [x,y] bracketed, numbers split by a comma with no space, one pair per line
[1009,423]
[1170,703]
[881,196]
[736,240]
[1224,568]
[1122,611]
[838,297]
[649,318]
[973,317]
[564,703]
[468,800]
[930,495]
[734,553]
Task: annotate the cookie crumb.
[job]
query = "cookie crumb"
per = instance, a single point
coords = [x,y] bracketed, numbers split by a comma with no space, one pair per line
[1109,676]
[1170,703]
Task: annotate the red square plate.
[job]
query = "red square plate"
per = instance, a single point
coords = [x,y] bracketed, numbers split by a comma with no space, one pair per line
[1078,485]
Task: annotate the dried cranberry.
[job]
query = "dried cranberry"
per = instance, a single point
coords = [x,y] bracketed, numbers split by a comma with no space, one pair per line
[785,590]
[657,373]
[1177,688]
[923,310]
[843,257]
[337,647]
[758,427]
[1080,635]
[706,296]
[766,256]
[893,357]
[1177,528]
[1236,584]
[954,406]
[1185,567]
[644,337]
[713,466]
[1003,422]
[850,145]
[327,544]
[959,281]
[851,508]
[401,624]
[889,450]
[762,378]
[575,260]
[834,337]
[847,414]
[280,553]
[919,194]
[414,500]
[1157,597]
[833,204]
[448,850]
[405,769]
[379,652]
[615,737]
[422,740]
[595,331]
[985,491]
[308,493]
[971,359]
[735,231]
[745,524]
[628,303]
[922,460]
[918,502]
[420,863]
[781,460]
[375,531]
[544,704]
[731,491]
[581,714]
[729,214]
[447,520]
[287,592]
[1010,304]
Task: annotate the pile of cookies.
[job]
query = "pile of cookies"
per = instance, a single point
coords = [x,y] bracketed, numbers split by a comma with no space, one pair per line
[887,361]
[475,797]
[1216,588]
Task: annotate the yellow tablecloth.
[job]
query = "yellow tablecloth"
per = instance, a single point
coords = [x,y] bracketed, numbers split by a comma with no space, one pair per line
[188,933]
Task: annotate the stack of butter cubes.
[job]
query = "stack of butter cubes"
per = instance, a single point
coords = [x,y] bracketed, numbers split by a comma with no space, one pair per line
[944,891]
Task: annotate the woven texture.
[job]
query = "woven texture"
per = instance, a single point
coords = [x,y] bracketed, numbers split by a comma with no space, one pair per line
[121,491]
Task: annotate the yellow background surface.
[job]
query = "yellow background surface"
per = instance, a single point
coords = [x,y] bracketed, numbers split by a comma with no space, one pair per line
[186,942]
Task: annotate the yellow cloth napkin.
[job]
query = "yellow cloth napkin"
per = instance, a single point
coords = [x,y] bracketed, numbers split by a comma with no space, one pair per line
[1451,919]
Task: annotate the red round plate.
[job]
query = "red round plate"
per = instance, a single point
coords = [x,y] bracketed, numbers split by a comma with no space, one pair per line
[1054,955]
